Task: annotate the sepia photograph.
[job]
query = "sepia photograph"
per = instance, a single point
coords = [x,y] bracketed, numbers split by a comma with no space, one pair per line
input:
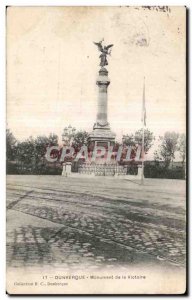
[96,150]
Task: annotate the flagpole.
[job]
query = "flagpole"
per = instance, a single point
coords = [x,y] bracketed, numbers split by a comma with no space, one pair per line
[143,133]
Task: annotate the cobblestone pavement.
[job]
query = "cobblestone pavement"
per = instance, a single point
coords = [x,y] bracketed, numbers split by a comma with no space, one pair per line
[68,222]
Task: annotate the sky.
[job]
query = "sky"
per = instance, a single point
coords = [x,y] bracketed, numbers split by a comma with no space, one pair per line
[52,67]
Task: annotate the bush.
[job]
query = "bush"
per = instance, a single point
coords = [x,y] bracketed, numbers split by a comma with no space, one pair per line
[11,168]
[158,171]
[40,169]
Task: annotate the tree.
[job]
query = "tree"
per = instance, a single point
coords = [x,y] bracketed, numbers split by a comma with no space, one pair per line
[41,143]
[24,154]
[157,156]
[168,147]
[182,147]
[129,139]
[133,140]
[11,143]
[148,139]
[31,153]
[80,139]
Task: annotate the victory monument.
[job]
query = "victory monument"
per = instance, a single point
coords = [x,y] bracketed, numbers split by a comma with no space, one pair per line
[101,135]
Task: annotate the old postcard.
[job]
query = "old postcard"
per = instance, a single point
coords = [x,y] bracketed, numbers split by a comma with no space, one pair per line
[96,150]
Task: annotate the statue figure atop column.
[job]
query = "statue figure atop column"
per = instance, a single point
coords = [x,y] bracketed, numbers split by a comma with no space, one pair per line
[104,52]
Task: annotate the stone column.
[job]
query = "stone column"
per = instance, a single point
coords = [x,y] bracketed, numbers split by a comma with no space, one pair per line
[139,175]
[66,169]
[102,82]
[102,134]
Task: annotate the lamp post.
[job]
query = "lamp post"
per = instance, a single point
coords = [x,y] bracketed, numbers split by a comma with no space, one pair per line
[68,138]
[68,135]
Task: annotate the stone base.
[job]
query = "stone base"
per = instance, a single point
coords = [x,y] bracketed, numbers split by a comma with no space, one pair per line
[101,136]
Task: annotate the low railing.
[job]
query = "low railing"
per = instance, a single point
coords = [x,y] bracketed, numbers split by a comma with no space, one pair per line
[102,169]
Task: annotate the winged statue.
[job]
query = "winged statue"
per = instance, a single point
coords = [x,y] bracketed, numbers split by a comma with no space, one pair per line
[105,50]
